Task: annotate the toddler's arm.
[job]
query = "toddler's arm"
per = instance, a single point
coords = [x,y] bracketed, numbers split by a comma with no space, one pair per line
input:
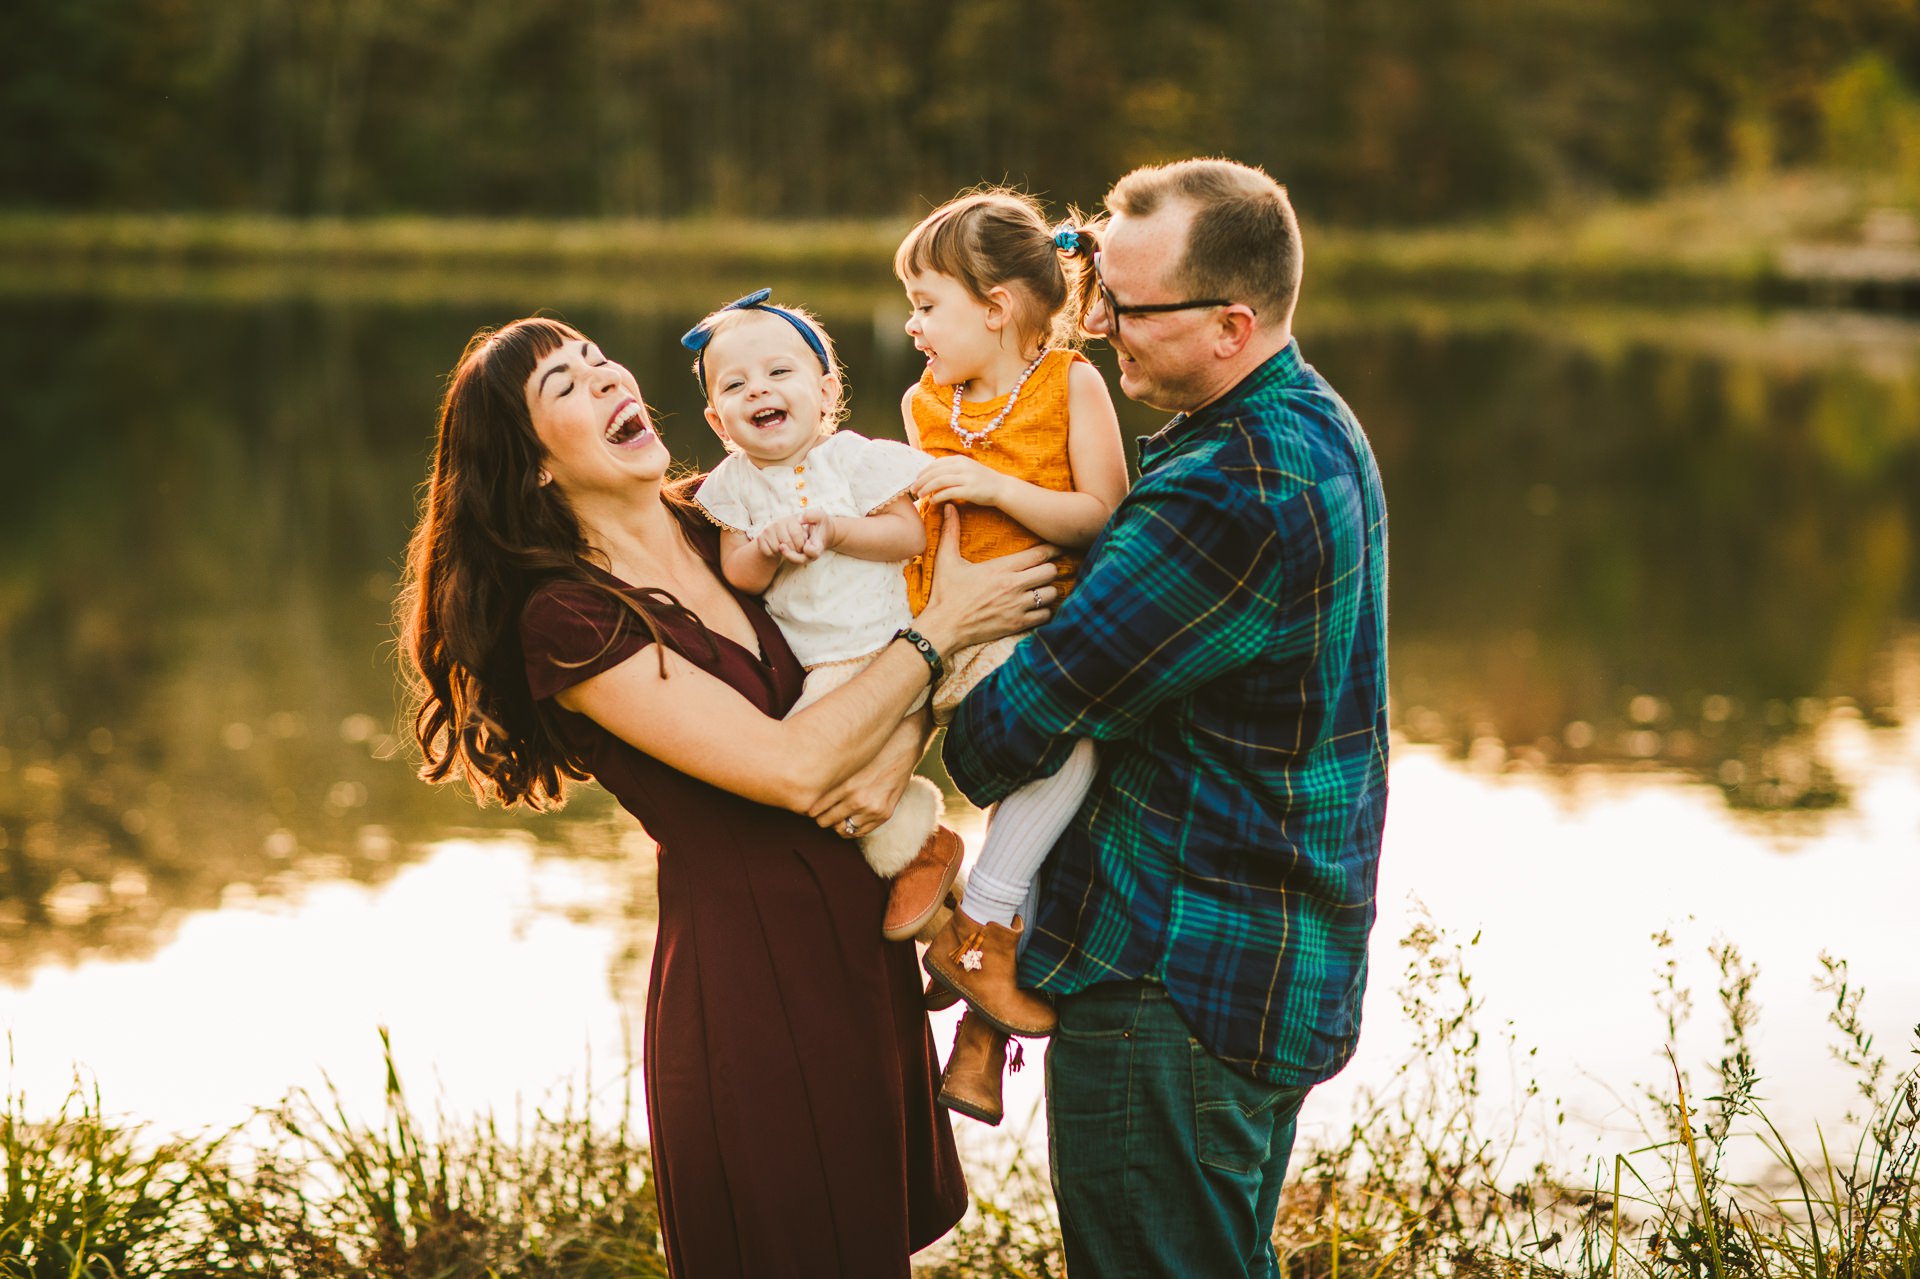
[1071,519]
[744,564]
[750,563]
[894,532]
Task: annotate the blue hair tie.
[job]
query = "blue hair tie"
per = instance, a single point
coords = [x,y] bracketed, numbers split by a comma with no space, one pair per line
[1067,240]
[697,338]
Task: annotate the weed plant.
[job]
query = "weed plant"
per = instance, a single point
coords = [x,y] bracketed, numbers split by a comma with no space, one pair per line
[1424,1181]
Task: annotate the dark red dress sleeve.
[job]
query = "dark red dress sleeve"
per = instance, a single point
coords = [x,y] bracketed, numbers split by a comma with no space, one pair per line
[571,632]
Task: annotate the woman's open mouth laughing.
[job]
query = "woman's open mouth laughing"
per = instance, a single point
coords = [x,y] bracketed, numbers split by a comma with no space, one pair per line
[629,426]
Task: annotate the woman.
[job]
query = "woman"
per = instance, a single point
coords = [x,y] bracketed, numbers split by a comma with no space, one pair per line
[567,619]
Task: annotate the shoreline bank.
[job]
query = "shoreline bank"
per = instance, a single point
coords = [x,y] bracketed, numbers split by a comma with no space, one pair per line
[1619,255]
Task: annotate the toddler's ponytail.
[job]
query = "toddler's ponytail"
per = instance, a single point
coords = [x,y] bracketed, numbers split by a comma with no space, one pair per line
[1077,240]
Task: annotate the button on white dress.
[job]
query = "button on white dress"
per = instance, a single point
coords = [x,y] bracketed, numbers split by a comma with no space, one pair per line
[836,608]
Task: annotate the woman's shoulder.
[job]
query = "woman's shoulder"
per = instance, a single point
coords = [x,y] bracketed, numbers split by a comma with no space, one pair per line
[560,611]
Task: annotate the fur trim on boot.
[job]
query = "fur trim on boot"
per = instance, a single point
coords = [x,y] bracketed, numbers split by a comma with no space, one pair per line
[894,842]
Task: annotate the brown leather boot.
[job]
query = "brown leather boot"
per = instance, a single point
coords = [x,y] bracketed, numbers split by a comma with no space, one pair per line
[922,884]
[976,962]
[971,1082]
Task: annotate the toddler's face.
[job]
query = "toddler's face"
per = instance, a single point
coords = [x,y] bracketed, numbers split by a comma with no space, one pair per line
[949,326]
[768,396]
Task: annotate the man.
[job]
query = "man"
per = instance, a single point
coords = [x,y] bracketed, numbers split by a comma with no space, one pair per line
[1202,926]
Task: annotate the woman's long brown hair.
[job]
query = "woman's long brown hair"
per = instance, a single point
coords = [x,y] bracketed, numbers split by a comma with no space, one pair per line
[489,534]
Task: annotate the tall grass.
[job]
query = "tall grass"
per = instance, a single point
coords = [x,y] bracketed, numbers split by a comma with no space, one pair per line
[1426,1180]
[307,1192]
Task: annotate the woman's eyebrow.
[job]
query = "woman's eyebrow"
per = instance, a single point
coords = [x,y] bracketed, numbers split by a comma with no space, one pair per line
[558,368]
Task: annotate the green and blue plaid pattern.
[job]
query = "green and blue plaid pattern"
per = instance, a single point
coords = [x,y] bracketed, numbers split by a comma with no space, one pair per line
[1226,647]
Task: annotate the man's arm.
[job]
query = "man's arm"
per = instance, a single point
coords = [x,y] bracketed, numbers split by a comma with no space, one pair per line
[1193,580]
[1161,606]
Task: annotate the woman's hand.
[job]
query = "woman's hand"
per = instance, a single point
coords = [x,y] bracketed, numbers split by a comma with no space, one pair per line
[960,479]
[973,603]
[870,795]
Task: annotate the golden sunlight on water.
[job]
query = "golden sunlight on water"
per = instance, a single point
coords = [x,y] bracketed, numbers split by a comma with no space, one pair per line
[500,971]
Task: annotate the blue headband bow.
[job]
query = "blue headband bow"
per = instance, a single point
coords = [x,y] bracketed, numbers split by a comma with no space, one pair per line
[700,335]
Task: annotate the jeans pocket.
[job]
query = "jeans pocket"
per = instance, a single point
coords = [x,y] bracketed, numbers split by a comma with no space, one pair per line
[1100,1012]
[1236,1118]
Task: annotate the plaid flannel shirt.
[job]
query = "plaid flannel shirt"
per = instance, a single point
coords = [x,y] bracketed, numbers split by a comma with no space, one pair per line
[1226,648]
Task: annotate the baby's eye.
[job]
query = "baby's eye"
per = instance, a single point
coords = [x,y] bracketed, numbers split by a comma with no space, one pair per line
[731,384]
[780,369]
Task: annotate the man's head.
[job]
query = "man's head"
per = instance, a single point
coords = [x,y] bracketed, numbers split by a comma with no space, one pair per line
[1214,246]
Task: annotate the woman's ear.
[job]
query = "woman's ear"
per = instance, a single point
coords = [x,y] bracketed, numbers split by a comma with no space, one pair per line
[545,477]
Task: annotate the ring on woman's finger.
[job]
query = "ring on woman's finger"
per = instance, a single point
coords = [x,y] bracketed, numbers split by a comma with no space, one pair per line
[849,827]
[1037,601]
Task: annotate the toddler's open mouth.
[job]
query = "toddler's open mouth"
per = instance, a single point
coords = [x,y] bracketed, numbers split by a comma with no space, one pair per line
[768,419]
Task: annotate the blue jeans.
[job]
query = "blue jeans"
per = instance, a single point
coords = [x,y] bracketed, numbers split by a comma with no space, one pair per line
[1165,1161]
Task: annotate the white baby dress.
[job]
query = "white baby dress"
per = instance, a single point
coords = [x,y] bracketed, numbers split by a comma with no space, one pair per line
[836,608]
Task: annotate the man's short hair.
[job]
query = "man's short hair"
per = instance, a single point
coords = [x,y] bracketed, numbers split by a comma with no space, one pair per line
[1244,242]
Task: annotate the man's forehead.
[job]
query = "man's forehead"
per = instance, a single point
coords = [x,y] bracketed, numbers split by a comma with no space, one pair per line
[1146,249]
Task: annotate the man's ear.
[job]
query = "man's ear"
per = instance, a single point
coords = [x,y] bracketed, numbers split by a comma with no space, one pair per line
[1235,328]
[719,428]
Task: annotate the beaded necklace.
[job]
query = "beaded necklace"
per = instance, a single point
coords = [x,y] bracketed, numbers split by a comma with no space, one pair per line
[971,438]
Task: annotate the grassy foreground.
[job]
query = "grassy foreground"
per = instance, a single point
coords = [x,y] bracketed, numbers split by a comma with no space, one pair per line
[1419,1186]
[1720,243]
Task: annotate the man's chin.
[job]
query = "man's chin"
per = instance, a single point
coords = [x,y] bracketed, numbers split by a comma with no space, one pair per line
[1142,391]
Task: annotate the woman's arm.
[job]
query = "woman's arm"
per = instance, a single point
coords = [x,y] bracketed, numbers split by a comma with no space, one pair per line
[1099,463]
[699,724]
[894,532]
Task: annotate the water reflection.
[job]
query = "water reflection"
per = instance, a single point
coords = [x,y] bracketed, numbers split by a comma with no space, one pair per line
[1617,547]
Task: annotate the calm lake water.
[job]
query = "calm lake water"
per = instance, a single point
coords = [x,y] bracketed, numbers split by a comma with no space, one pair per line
[1655,663]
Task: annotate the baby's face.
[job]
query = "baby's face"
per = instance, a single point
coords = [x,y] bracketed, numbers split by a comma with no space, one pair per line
[767,395]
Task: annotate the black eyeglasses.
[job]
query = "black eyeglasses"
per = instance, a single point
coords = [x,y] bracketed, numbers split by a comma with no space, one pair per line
[1115,310]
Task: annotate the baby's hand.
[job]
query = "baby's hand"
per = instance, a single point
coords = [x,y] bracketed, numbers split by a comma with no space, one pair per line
[960,479]
[823,533]
[786,539]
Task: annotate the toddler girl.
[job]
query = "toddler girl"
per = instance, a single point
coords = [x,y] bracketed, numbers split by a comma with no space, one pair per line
[818,523]
[1024,437]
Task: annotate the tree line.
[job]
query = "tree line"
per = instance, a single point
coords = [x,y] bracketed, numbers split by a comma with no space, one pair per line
[1372,110]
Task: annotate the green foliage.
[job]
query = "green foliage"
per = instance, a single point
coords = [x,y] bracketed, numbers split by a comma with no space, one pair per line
[1372,110]
[324,1196]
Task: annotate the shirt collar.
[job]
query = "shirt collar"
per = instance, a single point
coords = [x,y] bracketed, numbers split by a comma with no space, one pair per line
[1280,369]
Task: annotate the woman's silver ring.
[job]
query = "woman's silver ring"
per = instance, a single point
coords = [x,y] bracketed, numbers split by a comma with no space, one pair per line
[848,826]
[1037,601]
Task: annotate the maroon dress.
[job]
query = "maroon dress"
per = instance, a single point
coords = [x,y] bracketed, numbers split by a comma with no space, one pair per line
[790,1070]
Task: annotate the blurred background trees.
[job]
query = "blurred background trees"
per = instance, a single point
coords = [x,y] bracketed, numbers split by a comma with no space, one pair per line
[1373,110]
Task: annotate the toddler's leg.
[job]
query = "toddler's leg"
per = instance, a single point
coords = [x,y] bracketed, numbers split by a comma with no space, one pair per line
[1023,831]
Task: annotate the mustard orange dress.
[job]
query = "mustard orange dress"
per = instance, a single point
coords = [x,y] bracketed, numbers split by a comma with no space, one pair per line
[1030,445]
